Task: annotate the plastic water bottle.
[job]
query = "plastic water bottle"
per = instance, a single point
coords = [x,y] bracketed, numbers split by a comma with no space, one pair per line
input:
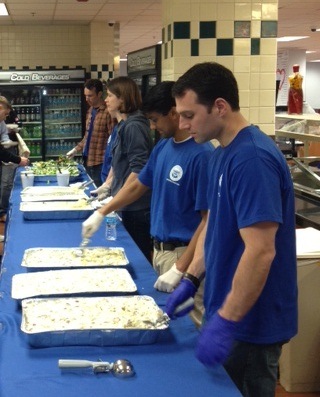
[111,226]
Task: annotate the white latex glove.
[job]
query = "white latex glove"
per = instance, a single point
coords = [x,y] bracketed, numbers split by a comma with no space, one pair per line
[71,153]
[13,127]
[101,192]
[168,280]
[92,224]
[8,144]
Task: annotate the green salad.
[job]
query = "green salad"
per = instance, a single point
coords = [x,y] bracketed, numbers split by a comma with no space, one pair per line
[50,167]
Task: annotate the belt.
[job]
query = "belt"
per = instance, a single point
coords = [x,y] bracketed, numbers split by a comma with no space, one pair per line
[168,245]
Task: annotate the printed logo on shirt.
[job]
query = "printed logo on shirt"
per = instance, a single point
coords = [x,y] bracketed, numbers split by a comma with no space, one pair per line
[220,183]
[175,174]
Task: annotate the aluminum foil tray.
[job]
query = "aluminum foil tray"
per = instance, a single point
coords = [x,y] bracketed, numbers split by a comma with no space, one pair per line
[53,178]
[98,321]
[72,282]
[56,210]
[52,193]
[64,258]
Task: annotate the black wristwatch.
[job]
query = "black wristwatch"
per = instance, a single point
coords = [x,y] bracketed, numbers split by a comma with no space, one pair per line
[195,280]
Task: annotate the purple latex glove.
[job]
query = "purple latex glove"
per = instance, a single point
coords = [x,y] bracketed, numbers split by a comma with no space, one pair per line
[185,290]
[215,340]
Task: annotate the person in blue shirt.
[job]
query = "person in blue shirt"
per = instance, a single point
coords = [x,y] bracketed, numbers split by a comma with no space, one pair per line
[247,249]
[176,172]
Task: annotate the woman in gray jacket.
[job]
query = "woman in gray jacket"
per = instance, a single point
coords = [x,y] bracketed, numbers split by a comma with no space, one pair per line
[130,152]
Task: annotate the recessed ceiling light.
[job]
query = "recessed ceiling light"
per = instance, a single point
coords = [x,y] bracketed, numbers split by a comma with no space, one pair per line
[3,10]
[315,60]
[310,52]
[291,38]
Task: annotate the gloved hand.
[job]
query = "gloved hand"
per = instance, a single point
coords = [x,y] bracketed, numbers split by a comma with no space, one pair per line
[168,280]
[9,144]
[101,192]
[92,224]
[185,290]
[71,153]
[215,340]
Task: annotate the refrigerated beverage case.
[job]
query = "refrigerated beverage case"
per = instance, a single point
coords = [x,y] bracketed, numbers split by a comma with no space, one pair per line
[51,107]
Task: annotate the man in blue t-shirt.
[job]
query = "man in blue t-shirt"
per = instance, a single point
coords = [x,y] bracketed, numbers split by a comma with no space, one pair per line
[247,249]
[176,172]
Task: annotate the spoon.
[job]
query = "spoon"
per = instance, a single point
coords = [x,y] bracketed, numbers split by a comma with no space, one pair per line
[121,368]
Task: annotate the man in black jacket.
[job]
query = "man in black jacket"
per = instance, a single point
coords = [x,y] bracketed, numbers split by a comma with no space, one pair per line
[6,155]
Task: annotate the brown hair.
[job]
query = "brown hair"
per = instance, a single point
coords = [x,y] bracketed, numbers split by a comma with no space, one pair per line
[4,102]
[126,89]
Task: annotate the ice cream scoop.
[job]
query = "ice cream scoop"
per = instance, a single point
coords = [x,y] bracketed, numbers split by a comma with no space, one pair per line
[121,368]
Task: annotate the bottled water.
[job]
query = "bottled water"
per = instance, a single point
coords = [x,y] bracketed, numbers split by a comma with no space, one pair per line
[111,226]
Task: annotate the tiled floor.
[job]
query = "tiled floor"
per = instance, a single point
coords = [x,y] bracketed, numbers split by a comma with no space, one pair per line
[280,392]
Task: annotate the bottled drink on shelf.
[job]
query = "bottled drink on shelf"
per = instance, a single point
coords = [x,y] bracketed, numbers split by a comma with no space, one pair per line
[27,112]
[22,115]
[32,114]
[38,114]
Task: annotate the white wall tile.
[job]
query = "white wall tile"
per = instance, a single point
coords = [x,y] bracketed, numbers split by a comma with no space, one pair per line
[225,29]
[242,11]
[241,46]
[207,47]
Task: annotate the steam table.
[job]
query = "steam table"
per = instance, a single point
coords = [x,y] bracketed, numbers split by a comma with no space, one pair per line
[162,369]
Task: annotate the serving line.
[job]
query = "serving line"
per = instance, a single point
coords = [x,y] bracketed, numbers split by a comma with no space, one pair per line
[164,368]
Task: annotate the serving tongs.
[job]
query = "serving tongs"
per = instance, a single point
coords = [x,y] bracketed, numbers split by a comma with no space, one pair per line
[164,319]
[80,251]
[85,184]
[121,368]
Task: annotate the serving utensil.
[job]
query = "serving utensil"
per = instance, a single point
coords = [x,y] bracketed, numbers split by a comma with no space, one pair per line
[80,251]
[165,319]
[121,368]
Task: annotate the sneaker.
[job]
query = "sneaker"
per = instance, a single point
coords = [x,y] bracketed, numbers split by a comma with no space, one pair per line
[1,238]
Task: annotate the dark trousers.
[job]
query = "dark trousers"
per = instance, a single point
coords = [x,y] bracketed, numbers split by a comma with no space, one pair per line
[95,173]
[137,224]
[254,368]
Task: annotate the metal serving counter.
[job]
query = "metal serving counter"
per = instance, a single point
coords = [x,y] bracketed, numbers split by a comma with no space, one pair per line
[306,179]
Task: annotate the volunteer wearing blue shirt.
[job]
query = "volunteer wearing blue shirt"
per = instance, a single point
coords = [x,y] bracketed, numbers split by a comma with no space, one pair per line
[177,174]
[248,248]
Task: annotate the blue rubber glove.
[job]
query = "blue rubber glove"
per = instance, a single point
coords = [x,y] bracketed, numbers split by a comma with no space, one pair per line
[185,290]
[215,340]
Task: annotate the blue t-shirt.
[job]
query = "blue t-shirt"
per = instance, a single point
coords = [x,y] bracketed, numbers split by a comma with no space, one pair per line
[177,175]
[108,153]
[251,183]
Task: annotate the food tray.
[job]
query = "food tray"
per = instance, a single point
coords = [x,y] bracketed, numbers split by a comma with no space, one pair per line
[52,193]
[72,282]
[45,171]
[99,321]
[47,258]
[53,178]
[56,210]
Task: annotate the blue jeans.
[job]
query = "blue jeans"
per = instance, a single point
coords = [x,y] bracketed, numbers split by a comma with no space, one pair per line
[254,368]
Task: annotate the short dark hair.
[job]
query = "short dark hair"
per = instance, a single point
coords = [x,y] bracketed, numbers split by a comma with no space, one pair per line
[159,99]
[94,84]
[209,80]
[125,88]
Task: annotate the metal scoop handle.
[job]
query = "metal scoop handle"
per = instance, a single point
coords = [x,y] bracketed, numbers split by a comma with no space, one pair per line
[82,364]
[189,302]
